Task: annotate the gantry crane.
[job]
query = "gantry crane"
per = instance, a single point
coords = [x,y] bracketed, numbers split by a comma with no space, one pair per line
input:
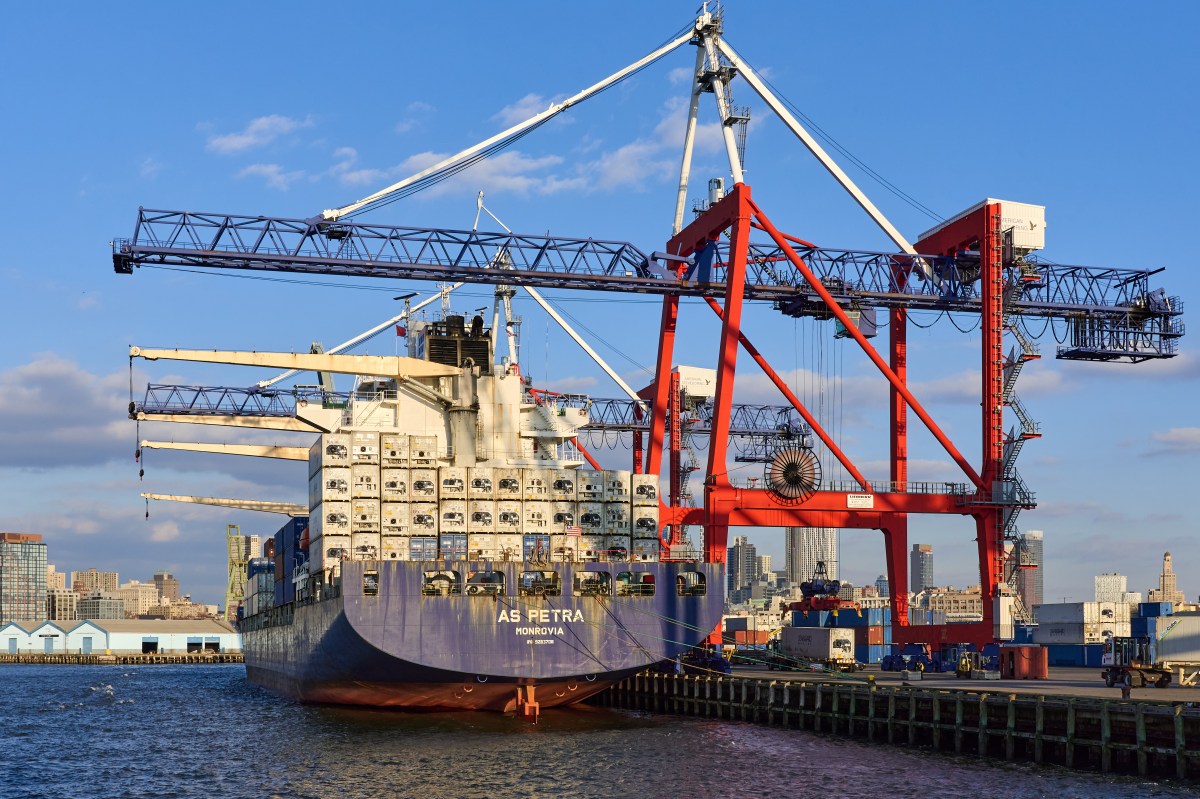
[969,265]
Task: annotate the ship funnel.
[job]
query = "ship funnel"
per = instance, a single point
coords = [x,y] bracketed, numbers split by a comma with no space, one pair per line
[464,414]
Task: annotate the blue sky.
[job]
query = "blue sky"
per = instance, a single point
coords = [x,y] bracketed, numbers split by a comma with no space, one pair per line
[1086,108]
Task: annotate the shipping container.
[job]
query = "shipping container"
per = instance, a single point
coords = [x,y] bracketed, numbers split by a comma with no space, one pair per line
[508,516]
[422,451]
[645,520]
[396,518]
[423,519]
[562,488]
[535,517]
[364,546]
[644,490]
[364,481]
[481,546]
[452,482]
[589,485]
[591,518]
[394,547]
[453,546]
[481,483]
[617,484]
[508,483]
[364,447]
[481,516]
[422,547]
[423,485]
[393,484]
[535,484]
[536,547]
[393,450]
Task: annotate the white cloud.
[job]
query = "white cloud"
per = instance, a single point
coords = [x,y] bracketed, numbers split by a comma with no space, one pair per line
[273,174]
[260,131]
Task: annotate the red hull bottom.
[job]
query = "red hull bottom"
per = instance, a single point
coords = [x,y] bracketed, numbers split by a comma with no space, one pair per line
[492,695]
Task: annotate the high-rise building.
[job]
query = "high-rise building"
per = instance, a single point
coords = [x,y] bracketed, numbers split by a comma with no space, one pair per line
[89,582]
[881,585]
[1032,569]
[55,578]
[22,577]
[742,564]
[62,604]
[168,586]
[1168,590]
[804,547]
[920,567]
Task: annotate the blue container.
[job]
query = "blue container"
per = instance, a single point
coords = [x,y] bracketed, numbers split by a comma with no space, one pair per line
[1152,609]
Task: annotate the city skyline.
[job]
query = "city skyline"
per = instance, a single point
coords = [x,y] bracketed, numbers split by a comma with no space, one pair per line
[607,169]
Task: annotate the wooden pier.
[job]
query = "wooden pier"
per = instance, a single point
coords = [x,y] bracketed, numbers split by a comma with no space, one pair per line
[1086,733]
[202,658]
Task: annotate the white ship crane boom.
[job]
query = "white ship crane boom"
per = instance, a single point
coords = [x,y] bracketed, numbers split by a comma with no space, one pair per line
[266,506]
[250,450]
[555,109]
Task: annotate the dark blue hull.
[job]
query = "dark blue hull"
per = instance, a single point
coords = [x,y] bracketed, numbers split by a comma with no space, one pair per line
[401,648]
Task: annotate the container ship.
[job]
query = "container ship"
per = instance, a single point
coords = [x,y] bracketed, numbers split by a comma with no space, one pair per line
[458,555]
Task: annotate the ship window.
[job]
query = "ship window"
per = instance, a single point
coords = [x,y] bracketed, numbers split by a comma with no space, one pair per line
[592,583]
[635,584]
[370,583]
[546,583]
[690,584]
[442,583]
[485,583]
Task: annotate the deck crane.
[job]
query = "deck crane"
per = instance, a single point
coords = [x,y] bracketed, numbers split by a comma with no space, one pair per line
[970,265]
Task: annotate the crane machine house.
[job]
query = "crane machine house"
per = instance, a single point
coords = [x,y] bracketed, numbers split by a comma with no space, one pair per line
[472,466]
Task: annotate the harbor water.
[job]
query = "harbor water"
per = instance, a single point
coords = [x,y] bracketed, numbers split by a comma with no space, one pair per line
[204,731]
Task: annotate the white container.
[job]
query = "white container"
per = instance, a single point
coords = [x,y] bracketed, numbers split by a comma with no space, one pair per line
[393,484]
[562,485]
[365,546]
[423,519]
[644,489]
[453,516]
[589,485]
[535,484]
[393,450]
[364,516]
[617,485]
[423,485]
[330,450]
[508,547]
[645,521]
[481,483]
[508,483]
[831,645]
[335,518]
[364,447]
[481,516]
[452,482]
[508,516]
[395,518]
[563,547]
[364,481]
[591,518]
[329,485]
[562,516]
[422,451]
[481,546]
[394,547]
[535,517]
[617,519]
[618,547]
[590,547]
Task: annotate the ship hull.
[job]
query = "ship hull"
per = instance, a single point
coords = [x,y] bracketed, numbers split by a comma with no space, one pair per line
[382,642]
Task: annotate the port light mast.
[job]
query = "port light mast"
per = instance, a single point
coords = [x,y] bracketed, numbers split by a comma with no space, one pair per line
[731,254]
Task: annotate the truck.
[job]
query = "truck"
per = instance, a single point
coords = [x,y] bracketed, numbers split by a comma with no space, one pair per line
[813,647]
